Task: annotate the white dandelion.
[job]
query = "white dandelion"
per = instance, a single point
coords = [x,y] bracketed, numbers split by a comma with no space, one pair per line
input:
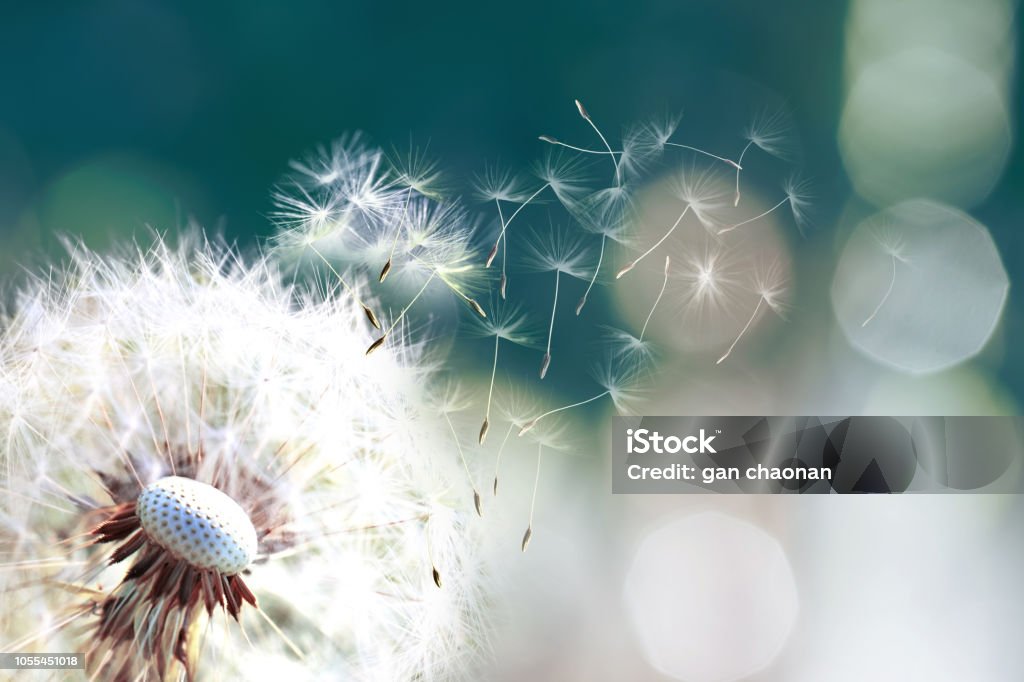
[187,442]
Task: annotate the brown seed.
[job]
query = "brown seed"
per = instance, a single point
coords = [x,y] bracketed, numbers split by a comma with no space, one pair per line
[491,255]
[371,317]
[545,363]
[495,485]
[529,425]
[384,271]
[526,537]
[478,503]
[579,306]
[483,430]
[583,112]
[376,344]
[476,308]
[501,288]
[437,576]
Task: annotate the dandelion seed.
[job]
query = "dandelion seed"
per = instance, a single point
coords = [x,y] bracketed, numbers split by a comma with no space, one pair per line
[892,245]
[661,132]
[562,254]
[515,404]
[798,198]
[508,323]
[499,185]
[416,172]
[619,381]
[436,246]
[770,285]
[606,213]
[449,399]
[698,191]
[770,131]
[533,499]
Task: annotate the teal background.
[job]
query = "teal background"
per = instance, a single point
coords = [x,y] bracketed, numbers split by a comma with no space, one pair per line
[118,114]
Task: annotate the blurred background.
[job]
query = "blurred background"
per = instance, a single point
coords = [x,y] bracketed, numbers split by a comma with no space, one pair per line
[119,115]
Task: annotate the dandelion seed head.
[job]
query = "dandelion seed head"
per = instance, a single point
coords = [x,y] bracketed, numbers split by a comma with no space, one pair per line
[607,212]
[509,322]
[798,194]
[416,170]
[772,131]
[496,183]
[890,240]
[770,283]
[565,173]
[709,277]
[558,250]
[622,379]
[702,190]
[626,347]
[124,373]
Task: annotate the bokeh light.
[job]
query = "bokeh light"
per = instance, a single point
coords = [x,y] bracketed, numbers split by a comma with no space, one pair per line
[919,287]
[710,615]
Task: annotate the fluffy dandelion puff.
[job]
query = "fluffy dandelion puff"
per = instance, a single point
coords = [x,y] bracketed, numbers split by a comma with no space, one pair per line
[188,443]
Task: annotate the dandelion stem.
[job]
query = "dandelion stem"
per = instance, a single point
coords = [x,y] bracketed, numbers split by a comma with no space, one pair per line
[664,283]
[398,233]
[742,331]
[658,243]
[411,303]
[504,253]
[600,259]
[615,161]
[465,465]
[533,500]
[529,425]
[551,328]
[504,227]
[497,461]
[352,292]
[757,217]
[892,283]
[732,163]
[739,167]
[377,344]
[490,391]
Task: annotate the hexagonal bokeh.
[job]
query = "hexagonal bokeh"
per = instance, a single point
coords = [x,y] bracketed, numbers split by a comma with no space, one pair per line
[919,287]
